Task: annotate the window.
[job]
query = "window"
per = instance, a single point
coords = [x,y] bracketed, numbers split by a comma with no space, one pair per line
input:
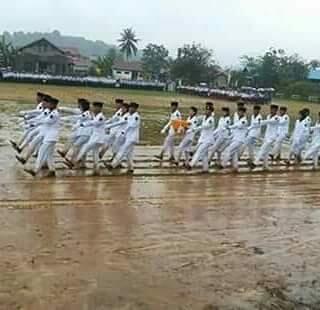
[127,73]
[119,72]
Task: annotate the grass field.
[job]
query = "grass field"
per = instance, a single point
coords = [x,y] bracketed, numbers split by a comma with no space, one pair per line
[153,105]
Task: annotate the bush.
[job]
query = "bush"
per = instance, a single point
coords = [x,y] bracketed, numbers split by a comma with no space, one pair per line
[303,89]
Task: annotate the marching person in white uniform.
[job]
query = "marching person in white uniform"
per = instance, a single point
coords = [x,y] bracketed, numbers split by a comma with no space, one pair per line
[50,128]
[206,130]
[221,135]
[254,134]
[283,133]
[97,124]
[313,151]
[112,133]
[131,137]
[168,145]
[80,134]
[188,138]
[239,132]
[300,137]
[272,123]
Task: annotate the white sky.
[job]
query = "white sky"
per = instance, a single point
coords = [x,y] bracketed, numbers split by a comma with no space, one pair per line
[230,27]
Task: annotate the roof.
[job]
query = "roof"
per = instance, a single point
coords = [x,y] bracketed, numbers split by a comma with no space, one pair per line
[39,41]
[127,66]
[314,74]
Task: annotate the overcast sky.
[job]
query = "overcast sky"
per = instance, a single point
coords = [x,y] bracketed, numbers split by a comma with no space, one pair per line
[229,27]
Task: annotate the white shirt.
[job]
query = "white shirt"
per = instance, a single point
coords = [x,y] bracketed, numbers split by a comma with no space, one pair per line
[193,124]
[316,133]
[50,126]
[115,118]
[207,128]
[301,130]
[239,129]
[284,122]
[272,123]
[98,128]
[132,131]
[223,124]
[83,118]
[176,115]
[255,126]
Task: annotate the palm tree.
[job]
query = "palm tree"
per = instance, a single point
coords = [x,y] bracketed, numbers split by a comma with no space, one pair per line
[128,43]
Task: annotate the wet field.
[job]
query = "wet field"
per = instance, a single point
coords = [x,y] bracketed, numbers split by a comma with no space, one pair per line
[162,239]
[246,241]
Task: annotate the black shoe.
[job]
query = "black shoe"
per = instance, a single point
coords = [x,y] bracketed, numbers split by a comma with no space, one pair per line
[15,146]
[31,172]
[130,171]
[21,160]
[69,163]
[159,157]
[252,166]
[271,157]
[62,154]
[51,174]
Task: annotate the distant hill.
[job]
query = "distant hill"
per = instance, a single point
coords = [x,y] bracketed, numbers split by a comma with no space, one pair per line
[86,47]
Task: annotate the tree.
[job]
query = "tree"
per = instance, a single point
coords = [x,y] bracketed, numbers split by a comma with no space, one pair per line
[104,64]
[7,53]
[274,69]
[128,43]
[192,64]
[155,60]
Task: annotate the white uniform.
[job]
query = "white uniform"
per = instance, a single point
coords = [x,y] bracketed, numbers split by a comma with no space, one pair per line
[313,151]
[254,133]
[168,145]
[186,143]
[205,140]
[283,133]
[132,137]
[272,123]
[119,137]
[239,133]
[96,140]
[50,130]
[82,133]
[111,137]
[300,137]
[221,137]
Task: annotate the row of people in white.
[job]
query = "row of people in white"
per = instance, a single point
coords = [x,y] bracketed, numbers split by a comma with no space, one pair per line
[230,139]
[88,134]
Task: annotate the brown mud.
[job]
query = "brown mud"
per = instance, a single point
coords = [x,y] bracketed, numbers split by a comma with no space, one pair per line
[246,241]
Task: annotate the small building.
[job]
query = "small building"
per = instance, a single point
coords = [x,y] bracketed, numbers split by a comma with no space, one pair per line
[221,80]
[124,70]
[314,75]
[81,64]
[42,56]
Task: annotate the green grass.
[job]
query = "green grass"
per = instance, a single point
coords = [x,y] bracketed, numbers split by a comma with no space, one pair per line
[154,106]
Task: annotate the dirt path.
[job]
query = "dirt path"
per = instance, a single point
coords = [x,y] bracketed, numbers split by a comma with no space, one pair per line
[166,242]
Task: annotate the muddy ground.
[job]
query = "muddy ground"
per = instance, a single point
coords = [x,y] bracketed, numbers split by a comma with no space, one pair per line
[159,242]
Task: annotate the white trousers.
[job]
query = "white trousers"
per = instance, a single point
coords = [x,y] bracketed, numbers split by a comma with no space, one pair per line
[313,152]
[278,145]
[263,154]
[118,142]
[297,146]
[231,153]
[218,146]
[34,146]
[168,145]
[45,156]
[250,143]
[29,137]
[202,153]
[185,148]
[126,152]
[88,147]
